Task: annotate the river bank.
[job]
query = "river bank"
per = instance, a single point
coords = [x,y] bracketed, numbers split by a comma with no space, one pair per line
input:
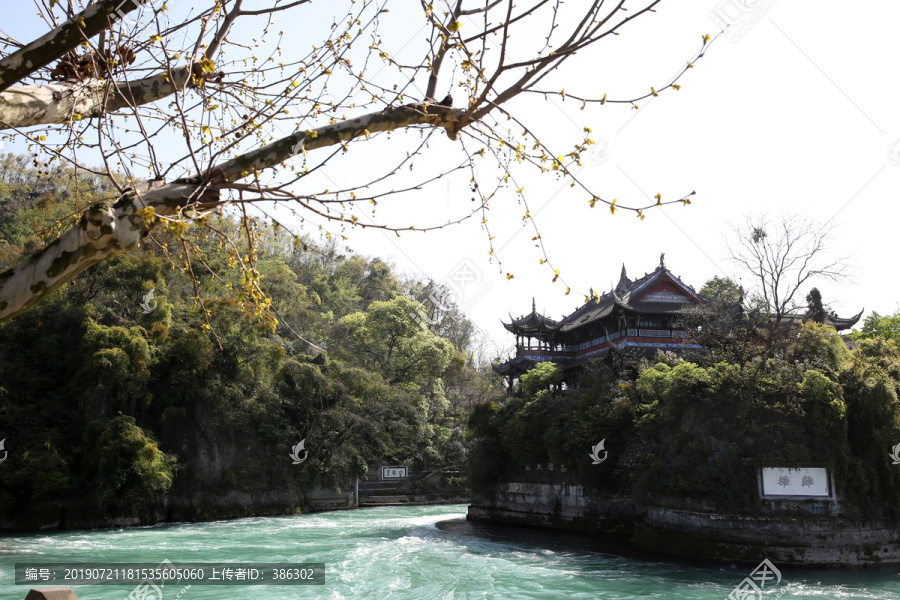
[678,529]
[693,531]
[73,514]
[410,553]
[383,486]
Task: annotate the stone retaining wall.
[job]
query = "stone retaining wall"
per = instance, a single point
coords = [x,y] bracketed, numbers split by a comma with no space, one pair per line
[553,505]
[414,499]
[704,534]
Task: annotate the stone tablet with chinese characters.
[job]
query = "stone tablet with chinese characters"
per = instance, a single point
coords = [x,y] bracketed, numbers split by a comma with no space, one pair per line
[796,482]
[394,472]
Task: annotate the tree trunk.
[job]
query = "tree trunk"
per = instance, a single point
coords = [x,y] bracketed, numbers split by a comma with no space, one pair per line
[102,232]
[26,105]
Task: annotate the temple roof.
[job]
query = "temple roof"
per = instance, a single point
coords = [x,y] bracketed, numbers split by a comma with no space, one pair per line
[839,323]
[656,293]
[846,323]
[532,323]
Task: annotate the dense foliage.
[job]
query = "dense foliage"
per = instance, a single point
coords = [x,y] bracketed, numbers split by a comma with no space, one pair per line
[722,289]
[110,393]
[877,326]
[700,430]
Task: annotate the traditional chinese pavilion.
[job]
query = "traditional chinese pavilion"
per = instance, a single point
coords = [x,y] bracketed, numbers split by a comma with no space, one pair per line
[630,322]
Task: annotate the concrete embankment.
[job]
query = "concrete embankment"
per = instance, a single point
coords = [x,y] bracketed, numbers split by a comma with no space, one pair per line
[423,488]
[693,531]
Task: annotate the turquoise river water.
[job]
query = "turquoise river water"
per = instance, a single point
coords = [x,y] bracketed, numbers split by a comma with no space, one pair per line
[417,553]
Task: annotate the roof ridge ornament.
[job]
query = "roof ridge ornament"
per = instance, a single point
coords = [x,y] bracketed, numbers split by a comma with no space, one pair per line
[662,260]
[624,282]
[533,309]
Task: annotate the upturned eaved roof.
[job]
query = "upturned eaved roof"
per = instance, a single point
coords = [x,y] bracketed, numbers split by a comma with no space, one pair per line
[533,323]
[643,295]
[845,323]
[839,323]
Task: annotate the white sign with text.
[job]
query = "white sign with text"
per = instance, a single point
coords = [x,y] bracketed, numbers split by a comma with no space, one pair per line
[393,472]
[795,482]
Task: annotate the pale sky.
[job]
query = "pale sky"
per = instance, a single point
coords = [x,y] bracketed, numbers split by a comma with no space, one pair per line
[793,110]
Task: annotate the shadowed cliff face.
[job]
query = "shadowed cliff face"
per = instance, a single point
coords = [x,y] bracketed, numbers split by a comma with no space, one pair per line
[213,451]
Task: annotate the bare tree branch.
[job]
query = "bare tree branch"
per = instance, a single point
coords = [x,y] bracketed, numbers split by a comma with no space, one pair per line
[27,105]
[211,145]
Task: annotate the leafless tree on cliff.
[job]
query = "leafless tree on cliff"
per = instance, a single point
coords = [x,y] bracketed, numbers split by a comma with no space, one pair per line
[783,257]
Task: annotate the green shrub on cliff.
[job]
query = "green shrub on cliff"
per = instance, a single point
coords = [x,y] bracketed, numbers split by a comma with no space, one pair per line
[388,339]
[550,427]
[885,327]
[871,385]
[544,376]
[121,462]
[710,429]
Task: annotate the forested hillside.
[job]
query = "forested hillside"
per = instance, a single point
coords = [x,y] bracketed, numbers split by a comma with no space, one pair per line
[699,428]
[149,374]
